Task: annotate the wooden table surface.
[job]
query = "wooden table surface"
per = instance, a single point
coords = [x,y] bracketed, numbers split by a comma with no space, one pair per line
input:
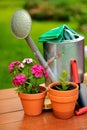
[12,116]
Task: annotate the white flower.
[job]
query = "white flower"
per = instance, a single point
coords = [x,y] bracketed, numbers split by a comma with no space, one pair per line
[27,60]
[21,65]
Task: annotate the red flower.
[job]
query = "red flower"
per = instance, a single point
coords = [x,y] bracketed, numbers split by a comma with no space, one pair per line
[37,70]
[19,79]
[12,65]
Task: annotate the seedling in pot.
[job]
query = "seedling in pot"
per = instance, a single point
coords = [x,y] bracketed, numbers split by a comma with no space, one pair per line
[64,84]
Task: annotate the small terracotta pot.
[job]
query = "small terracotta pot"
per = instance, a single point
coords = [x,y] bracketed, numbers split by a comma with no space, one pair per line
[33,103]
[63,93]
[63,102]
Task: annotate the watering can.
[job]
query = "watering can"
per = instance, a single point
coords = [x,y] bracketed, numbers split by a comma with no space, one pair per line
[57,56]
[60,46]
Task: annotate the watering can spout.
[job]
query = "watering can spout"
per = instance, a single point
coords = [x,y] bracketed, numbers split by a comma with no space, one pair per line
[21,26]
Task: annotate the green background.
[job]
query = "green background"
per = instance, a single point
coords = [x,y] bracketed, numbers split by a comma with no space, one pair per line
[13,49]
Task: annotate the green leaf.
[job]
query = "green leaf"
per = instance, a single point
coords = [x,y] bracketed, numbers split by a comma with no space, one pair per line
[63,80]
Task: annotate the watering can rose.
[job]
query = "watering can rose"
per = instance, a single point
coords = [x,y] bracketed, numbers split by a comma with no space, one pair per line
[27,75]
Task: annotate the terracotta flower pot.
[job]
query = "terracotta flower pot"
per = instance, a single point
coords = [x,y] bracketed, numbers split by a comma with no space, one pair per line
[33,103]
[63,102]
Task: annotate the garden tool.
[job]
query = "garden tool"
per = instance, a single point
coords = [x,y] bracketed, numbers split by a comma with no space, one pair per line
[82,100]
[74,72]
[81,111]
[75,78]
[21,26]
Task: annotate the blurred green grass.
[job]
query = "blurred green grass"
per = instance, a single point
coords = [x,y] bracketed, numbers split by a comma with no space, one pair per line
[13,49]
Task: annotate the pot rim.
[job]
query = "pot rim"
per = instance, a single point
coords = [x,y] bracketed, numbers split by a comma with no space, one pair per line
[34,96]
[57,83]
[63,93]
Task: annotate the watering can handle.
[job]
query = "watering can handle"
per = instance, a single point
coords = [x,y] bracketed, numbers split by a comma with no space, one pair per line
[40,57]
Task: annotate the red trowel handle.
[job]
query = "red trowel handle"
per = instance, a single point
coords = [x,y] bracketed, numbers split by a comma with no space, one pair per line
[74,71]
[81,111]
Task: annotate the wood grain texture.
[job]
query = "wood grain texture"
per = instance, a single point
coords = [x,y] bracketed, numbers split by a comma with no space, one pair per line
[15,119]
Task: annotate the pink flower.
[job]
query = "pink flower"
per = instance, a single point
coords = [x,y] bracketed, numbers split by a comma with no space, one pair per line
[46,74]
[19,79]
[27,60]
[37,70]
[12,65]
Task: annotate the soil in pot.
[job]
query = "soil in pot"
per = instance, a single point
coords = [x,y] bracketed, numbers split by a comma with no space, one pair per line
[59,87]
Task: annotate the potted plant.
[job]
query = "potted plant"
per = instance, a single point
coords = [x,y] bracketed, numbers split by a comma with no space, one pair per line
[63,96]
[27,77]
